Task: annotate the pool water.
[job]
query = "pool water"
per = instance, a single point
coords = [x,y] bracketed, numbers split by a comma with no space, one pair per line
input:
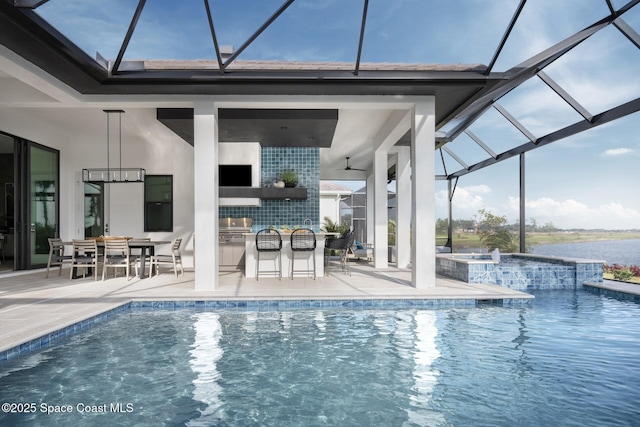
[570,359]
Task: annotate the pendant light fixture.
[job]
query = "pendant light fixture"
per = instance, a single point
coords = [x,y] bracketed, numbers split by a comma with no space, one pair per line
[113,174]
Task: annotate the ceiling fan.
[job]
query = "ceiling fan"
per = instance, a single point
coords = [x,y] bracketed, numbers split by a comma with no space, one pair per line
[349,168]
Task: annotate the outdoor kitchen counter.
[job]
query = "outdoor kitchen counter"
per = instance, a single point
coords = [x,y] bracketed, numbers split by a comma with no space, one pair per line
[266,265]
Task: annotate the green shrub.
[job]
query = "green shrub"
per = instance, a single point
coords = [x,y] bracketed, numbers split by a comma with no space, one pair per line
[333,227]
[623,274]
[494,233]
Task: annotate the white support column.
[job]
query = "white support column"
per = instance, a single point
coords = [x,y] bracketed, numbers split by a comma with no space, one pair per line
[205,129]
[403,202]
[381,216]
[370,211]
[423,255]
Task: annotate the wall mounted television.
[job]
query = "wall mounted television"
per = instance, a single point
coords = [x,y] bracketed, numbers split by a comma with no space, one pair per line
[234,175]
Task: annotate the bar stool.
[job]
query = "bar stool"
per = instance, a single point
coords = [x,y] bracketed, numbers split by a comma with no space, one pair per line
[303,240]
[268,241]
[342,245]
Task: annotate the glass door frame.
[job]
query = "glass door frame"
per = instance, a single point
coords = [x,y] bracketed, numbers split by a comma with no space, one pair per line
[100,198]
[22,210]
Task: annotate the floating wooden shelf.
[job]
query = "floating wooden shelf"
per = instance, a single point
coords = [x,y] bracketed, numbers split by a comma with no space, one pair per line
[270,193]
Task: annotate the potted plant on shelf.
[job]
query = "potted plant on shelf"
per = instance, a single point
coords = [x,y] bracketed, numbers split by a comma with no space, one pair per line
[289,178]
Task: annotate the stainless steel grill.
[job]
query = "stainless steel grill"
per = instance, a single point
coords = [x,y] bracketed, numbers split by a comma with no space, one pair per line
[231,241]
[231,230]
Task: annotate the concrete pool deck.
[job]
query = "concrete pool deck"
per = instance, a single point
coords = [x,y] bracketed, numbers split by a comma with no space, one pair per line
[32,305]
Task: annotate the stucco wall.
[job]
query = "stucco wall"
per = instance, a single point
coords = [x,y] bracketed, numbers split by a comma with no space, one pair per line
[80,136]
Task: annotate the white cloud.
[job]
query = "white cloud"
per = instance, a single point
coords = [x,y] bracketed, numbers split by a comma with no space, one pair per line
[467,201]
[612,152]
[476,189]
[616,210]
[574,214]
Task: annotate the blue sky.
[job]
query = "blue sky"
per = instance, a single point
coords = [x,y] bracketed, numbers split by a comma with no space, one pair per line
[587,181]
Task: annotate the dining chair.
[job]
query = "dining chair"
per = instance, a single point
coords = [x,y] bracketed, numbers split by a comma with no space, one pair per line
[56,255]
[85,254]
[136,257]
[303,241]
[174,259]
[116,255]
[269,242]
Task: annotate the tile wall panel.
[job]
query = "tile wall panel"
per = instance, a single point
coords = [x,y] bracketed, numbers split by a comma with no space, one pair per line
[303,161]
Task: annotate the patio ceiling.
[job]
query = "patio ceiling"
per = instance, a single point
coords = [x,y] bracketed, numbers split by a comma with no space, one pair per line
[270,127]
[466,94]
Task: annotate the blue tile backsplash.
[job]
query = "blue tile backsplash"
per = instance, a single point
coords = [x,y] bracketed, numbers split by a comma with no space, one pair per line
[305,162]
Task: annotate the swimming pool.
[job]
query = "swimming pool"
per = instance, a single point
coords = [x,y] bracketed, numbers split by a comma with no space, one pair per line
[570,358]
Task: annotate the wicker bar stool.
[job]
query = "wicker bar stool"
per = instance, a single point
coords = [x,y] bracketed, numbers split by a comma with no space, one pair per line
[303,240]
[269,242]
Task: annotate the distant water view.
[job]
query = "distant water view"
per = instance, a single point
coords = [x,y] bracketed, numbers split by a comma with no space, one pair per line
[625,252]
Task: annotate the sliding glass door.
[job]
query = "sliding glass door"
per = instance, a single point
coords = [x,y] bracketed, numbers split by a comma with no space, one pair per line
[36,203]
[7,202]
[44,202]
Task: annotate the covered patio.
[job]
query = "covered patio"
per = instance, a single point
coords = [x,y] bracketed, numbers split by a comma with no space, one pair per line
[412,118]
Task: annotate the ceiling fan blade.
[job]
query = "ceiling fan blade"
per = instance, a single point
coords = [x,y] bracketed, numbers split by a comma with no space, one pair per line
[349,168]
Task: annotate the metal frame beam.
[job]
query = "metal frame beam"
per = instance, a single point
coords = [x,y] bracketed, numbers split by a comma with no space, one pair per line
[505,37]
[527,69]
[213,36]
[360,42]
[599,119]
[255,35]
[481,143]
[565,95]
[127,37]
[523,178]
[531,137]
[628,32]
[29,4]
[455,157]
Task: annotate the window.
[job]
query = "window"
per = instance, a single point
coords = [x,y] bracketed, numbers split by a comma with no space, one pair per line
[158,203]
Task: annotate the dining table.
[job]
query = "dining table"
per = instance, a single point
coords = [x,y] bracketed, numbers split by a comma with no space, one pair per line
[145,246]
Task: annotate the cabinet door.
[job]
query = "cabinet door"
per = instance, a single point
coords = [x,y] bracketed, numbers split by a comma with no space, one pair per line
[226,255]
[238,256]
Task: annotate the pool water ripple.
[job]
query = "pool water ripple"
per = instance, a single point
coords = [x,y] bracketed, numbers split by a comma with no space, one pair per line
[570,359]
